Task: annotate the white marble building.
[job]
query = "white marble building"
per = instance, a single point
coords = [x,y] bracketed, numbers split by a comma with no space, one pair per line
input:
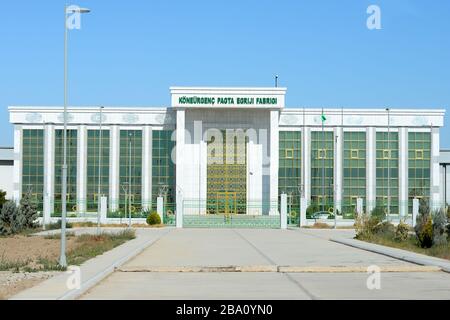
[262,115]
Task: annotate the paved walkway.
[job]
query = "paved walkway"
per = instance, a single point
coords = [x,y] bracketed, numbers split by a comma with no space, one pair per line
[187,248]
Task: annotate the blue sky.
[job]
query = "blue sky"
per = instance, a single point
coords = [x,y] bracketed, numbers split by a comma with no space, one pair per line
[128,53]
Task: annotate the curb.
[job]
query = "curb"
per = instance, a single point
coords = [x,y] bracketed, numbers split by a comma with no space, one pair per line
[73,294]
[396,253]
[277,269]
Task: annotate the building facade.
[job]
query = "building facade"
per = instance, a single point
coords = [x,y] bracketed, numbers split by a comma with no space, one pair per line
[218,154]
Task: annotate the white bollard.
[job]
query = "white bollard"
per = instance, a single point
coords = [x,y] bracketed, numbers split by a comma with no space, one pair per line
[160,208]
[415,211]
[283,215]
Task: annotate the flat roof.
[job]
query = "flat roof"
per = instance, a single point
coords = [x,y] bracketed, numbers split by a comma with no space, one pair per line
[6,153]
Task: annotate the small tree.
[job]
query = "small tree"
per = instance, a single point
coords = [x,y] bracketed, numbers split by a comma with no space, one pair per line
[9,222]
[439,225]
[2,198]
[424,225]
[28,211]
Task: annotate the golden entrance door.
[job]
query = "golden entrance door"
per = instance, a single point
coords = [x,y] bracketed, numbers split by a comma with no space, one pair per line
[226,203]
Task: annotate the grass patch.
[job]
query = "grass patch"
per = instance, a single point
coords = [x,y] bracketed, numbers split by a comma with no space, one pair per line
[410,244]
[87,247]
[57,236]
[90,246]
[14,266]
[57,225]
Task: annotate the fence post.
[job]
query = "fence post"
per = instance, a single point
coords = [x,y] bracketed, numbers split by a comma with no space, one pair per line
[103,209]
[283,215]
[359,206]
[303,207]
[179,210]
[415,211]
[160,208]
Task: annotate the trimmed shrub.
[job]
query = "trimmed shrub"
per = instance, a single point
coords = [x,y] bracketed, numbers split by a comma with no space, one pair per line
[153,218]
[401,232]
[439,227]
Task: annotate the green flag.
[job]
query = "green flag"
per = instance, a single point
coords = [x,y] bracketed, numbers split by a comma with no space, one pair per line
[323,117]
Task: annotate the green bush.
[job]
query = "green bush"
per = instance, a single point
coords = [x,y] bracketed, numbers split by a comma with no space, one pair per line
[379,212]
[312,208]
[153,218]
[401,232]
[57,225]
[366,226]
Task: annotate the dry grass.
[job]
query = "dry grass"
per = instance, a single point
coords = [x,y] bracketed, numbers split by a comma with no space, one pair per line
[442,252]
[32,254]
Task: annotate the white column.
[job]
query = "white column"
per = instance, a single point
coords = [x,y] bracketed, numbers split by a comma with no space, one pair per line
[179,165]
[147,168]
[203,175]
[254,178]
[81,168]
[435,152]
[17,172]
[447,182]
[274,151]
[371,169]
[307,163]
[403,171]
[49,171]
[338,171]
[114,157]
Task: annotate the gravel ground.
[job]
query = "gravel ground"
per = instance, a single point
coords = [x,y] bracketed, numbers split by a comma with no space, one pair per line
[12,282]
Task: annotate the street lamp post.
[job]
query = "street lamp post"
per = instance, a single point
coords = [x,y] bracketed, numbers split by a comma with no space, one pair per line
[62,258]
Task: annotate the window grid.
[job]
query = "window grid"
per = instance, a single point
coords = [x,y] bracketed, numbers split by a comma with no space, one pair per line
[289,171]
[135,137]
[33,164]
[71,170]
[419,157]
[163,168]
[322,189]
[93,144]
[384,162]
[354,171]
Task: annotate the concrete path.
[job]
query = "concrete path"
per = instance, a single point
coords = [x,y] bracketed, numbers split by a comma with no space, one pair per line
[311,249]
